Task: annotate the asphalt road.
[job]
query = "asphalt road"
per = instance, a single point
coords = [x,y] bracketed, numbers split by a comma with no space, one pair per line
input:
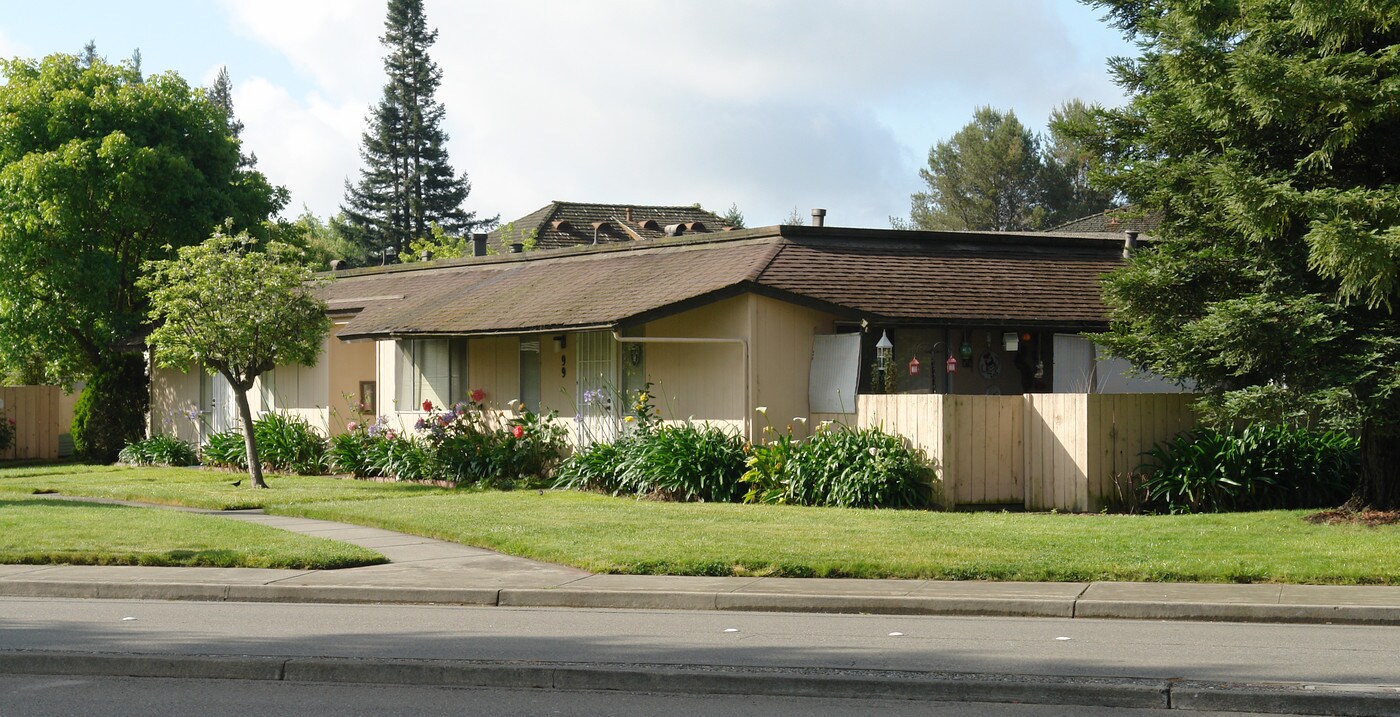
[1080,647]
[54,696]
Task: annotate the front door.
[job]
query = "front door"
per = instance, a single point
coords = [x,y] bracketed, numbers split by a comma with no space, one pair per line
[597,388]
[217,404]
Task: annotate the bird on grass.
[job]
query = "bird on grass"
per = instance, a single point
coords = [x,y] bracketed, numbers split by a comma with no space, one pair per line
[237,483]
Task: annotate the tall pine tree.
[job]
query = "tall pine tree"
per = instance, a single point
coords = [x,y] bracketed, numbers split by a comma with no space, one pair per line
[407,185]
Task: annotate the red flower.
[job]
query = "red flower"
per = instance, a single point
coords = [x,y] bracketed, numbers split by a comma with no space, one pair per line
[478,395]
[518,431]
[427,405]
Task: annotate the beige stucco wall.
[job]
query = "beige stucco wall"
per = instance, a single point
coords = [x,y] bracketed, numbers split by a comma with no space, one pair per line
[782,349]
[557,387]
[493,365]
[350,363]
[173,392]
[701,382]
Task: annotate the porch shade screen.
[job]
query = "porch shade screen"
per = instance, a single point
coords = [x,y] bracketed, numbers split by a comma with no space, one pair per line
[432,370]
[835,373]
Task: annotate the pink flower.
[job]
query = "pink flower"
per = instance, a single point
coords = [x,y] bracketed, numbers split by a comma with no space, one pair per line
[518,431]
[478,395]
[427,405]
[352,426]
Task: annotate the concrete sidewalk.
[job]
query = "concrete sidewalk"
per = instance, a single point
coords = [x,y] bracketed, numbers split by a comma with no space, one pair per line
[427,571]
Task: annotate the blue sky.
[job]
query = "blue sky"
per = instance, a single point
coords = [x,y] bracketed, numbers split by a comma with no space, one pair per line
[770,104]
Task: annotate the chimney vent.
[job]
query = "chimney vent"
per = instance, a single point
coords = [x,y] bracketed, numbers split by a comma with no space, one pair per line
[1130,243]
[818,217]
[675,230]
[337,264]
[479,244]
[517,247]
[425,255]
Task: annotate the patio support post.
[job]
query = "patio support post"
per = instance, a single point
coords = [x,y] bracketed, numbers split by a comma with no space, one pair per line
[743,344]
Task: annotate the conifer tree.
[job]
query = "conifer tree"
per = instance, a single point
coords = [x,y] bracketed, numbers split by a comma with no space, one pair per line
[407,184]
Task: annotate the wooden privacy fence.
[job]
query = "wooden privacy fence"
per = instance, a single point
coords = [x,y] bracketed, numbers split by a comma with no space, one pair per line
[39,421]
[1042,451]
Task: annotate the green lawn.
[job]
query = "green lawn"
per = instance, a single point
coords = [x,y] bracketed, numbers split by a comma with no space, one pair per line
[623,535]
[39,531]
[193,487]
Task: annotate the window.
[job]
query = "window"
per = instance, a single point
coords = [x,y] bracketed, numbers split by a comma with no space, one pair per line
[432,370]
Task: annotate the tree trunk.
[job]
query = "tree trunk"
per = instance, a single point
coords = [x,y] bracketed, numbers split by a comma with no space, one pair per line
[250,446]
[1380,465]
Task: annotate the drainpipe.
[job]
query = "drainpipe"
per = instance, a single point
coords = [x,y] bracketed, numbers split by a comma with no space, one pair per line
[743,343]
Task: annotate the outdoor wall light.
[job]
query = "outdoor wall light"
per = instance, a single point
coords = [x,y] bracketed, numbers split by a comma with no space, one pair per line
[561,342]
[1010,341]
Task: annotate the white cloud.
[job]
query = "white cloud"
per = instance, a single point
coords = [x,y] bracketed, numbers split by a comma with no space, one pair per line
[768,104]
[306,144]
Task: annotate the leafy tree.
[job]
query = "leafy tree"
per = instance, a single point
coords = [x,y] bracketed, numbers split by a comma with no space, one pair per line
[984,177]
[228,306]
[732,216]
[221,94]
[320,242]
[407,184]
[101,170]
[1267,132]
[1067,164]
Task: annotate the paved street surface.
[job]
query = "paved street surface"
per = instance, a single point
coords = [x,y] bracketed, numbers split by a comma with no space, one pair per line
[1203,651]
[54,696]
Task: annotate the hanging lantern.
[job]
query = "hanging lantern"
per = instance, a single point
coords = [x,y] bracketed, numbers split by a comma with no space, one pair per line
[914,366]
[952,364]
[966,350]
[884,352]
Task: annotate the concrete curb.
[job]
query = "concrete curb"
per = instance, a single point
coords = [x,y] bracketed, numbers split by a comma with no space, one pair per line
[1283,698]
[709,600]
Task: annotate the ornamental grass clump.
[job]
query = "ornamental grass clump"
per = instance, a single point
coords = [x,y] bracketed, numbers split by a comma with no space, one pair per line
[159,450]
[285,443]
[1259,468]
[841,467]
[684,462]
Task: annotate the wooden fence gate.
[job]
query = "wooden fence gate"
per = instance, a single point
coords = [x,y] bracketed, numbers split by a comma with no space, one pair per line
[1042,451]
[39,421]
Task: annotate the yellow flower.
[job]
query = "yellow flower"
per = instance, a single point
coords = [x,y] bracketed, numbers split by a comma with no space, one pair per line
[642,398]
[629,419]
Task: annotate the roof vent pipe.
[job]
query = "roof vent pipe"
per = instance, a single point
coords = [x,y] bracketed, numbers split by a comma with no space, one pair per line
[517,247]
[1130,244]
[479,244]
[818,217]
[337,264]
[425,255]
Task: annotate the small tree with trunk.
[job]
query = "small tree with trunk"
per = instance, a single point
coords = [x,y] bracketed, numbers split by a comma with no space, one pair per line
[232,306]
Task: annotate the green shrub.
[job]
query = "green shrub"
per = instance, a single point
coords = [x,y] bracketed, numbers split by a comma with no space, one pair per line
[1259,468]
[111,410]
[466,448]
[7,433]
[684,462]
[843,467]
[595,468]
[159,450]
[349,453]
[289,443]
[225,449]
[400,457]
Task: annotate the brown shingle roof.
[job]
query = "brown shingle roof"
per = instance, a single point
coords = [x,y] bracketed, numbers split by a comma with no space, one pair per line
[883,275]
[1015,279]
[1123,219]
[647,222]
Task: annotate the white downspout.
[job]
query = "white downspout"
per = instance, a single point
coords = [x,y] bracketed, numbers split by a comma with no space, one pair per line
[743,343]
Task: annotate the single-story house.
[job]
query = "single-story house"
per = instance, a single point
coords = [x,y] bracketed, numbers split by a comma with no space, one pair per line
[793,319]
